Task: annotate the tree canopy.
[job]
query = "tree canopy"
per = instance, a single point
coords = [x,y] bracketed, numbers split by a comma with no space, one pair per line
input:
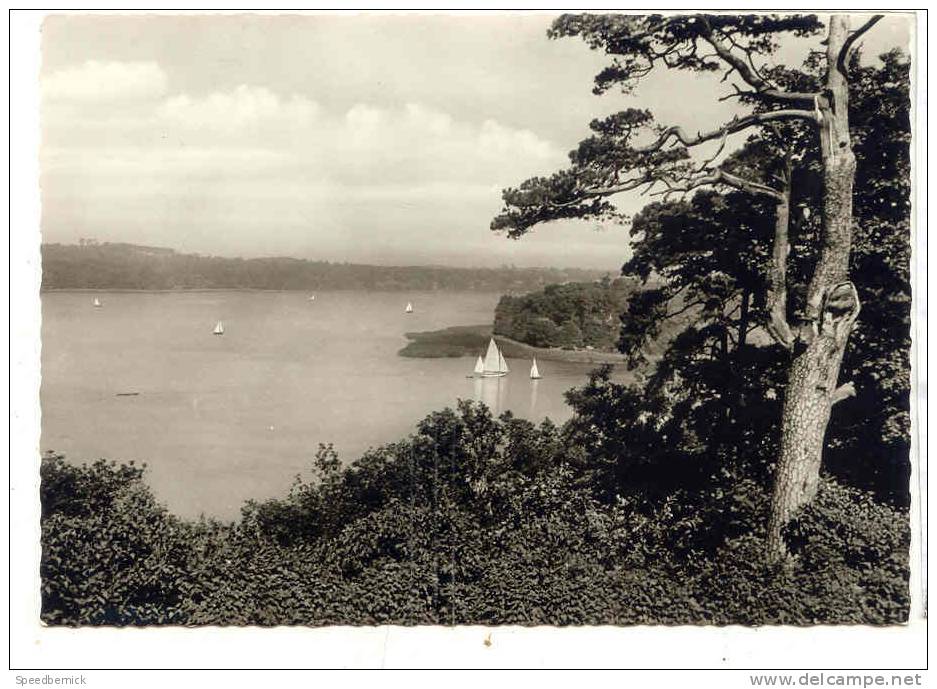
[724,258]
[629,150]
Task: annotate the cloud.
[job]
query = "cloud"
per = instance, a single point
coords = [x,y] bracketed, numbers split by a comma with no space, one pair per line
[498,140]
[96,81]
[416,143]
[365,144]
[244,107]
[244,160]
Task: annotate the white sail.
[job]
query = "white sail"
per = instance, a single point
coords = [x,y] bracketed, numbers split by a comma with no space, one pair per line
[219,329]
[312,298]
[96,302]
[493,364]
[534,372]
[492,358]
[409,308]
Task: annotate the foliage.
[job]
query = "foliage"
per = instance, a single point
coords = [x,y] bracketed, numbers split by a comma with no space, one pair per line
[877,422]
[704,260]
[615,158]
[110,553]
[570,315]
[650,505]
[128,266]
[471,520]
[712,251]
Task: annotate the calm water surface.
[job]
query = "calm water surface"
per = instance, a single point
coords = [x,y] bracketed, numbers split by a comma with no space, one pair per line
[220,420]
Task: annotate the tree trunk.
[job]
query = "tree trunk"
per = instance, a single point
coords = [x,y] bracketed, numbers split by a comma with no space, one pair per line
[744,318]
[831,311]
[776,300]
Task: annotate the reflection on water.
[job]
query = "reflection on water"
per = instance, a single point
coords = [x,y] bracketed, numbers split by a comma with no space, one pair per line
[479,389]
[493,393]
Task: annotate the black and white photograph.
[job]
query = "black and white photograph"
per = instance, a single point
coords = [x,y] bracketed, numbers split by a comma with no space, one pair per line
[498,319]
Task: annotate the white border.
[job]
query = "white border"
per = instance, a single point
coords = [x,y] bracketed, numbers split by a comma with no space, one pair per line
[38,647]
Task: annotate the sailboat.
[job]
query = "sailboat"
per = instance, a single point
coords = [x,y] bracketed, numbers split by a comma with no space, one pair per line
[312,297]
[219,329]
[502,364]
[96,303]
[493,364]
[409,308]
[534,372]
[479,369]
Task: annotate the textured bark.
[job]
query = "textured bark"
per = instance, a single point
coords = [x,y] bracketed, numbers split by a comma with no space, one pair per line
[831,310]
[811,394]
[839,172]
[777,325]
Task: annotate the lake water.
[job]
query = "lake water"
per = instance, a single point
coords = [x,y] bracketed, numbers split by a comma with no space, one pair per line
[223,419]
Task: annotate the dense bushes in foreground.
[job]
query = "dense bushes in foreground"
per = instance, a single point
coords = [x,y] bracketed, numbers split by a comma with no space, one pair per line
[471,520]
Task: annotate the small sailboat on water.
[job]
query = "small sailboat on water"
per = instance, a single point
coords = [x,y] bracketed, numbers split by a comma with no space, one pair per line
[96,303]
[312,297]
[502,364]
[219,329]
[479,369]
[534,371]
[493,365]
[409,308]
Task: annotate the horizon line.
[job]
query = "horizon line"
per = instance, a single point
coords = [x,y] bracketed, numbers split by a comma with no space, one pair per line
[441,266]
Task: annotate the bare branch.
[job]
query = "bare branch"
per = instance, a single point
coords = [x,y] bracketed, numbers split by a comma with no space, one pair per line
[719,176]
[739,93]
[598,192]
[722,144]
[750,74]
[849,45]
[736,125]
[844,391]
[748,56]
[686,308]
[609,191]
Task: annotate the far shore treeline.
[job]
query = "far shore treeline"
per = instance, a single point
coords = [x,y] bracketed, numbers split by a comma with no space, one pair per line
[120,266]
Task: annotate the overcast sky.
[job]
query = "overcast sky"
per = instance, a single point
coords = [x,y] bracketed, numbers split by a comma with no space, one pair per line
[379,139]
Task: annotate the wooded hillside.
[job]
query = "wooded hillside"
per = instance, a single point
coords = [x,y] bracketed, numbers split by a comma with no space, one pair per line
[572,315]
[129,266]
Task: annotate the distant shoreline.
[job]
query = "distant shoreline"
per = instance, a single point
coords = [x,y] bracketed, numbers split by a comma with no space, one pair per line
[470,340]
[134,268]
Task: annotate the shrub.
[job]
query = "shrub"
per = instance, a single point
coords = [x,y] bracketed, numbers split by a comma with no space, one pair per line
[110,553]
[472,520]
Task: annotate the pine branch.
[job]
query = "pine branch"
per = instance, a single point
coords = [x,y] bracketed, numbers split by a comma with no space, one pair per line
[719,176]
[748,71]
[849,45]
[736,125]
